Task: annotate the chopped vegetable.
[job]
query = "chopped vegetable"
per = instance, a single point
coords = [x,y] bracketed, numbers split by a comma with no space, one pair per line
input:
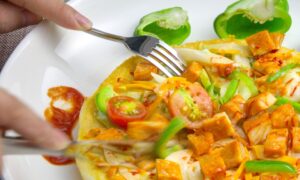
[230,91]
[269,166]
[246,80]
[246,17]
[103,96]
[124,109]
[204,79]
[282,100]
[281,72]
[170,25]
[161,149]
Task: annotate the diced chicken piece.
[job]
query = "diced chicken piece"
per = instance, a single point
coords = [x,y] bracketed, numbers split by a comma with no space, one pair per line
[201,143]
[235,108]
[296,139]
[284,117]
[142,130]
[219,125]
[224,69]
[105,134]
[258,127]
[117,177]
[276,143]
[259,103]
[167,170]
[233,153]
[261,43]
[258,151]
[277,39]
[143,71]
[191,73]
[272,176]
[213,166]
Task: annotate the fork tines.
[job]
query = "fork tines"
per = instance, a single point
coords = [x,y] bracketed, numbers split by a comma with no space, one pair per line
[166,59]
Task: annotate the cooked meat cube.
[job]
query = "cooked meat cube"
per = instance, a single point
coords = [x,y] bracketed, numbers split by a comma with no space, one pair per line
[167,170]
[219,125]
[105,134]
[296,139]
[142,130]
[272,62]
[276,143]
[224,69]
[261,43]
[257,128]
[284,117]
[191,73]
[259,103]
[143,71]
[235,108]
[233,153]
[277,39]
[201,143]
[213,165]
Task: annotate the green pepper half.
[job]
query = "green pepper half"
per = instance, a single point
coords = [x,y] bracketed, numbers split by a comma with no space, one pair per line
[170,25]
[246,17]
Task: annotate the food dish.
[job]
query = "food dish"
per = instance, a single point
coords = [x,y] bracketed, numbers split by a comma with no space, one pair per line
[50,70]
[216,120]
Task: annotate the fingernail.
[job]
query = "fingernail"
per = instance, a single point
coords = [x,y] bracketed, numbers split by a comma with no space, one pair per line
[84,23]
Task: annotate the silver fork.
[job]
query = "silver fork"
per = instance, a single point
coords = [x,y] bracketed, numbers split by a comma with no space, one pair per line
[152,49]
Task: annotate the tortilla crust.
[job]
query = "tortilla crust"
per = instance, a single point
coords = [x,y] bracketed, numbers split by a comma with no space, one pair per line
[88,120]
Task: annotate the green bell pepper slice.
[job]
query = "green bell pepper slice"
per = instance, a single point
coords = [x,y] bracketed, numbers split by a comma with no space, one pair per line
[281,72]
[246,80]
[230,91]
[204,79]
[269,166]
[246,17]
[102,97]
[282,100]
[160,148]
[170,25]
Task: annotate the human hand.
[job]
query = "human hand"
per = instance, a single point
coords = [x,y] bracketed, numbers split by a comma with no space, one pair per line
[18,117]
[15,14]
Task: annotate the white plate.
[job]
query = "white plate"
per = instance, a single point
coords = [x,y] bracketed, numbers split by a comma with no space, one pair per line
[51,56]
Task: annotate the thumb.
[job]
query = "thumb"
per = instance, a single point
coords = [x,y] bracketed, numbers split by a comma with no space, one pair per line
[57,11]
[16,116]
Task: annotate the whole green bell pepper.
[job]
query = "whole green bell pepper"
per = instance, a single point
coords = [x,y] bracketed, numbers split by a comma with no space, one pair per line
[170,25]
[246,17]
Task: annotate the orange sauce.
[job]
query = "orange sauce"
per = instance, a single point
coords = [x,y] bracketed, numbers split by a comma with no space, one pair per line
[65,116]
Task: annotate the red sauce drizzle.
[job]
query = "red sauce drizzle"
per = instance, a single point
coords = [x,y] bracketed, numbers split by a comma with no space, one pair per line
[63,119]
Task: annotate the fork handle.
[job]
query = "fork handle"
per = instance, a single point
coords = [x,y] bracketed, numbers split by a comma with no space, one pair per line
[106,35]
[18,146]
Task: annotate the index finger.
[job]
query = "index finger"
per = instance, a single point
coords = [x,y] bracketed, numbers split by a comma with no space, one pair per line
[16,116]
[57,11]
